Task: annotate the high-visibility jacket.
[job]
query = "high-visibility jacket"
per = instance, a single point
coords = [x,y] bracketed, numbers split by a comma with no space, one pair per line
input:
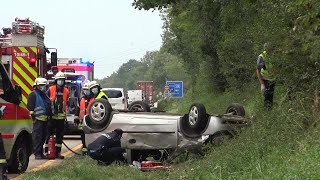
[267,73]
[84,107]
[53,97]
[40,108]
[39,105]
[101,95]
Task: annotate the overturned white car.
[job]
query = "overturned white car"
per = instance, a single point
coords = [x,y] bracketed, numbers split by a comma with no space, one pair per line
[161,134]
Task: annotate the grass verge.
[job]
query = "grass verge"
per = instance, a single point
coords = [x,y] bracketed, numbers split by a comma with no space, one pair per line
[280,144]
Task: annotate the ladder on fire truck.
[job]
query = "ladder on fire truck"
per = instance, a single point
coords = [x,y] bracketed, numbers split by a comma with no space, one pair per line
[24,53]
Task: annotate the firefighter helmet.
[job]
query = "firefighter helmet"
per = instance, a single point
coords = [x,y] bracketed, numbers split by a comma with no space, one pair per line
[86,85]
[93,84]
[60,75]
[40,81]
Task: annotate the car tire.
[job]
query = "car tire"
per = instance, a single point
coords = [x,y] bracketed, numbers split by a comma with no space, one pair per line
[194,123]
[19,159]
[236,109]
[197,115]
[99,114]
[139,106]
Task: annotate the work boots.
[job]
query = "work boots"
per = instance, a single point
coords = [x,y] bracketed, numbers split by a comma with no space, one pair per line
[59,156]
[3,173]
[84,151]
[58,153]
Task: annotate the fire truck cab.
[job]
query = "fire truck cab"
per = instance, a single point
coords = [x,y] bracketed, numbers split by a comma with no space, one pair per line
[23,60]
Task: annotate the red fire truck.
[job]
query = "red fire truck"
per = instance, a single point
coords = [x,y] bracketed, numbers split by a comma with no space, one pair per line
[23,60]
[24,53]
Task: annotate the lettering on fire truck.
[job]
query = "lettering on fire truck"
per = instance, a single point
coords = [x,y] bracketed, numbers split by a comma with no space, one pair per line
[22,54]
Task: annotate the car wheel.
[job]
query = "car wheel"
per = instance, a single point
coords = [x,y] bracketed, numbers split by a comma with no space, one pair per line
[197,115]
[194,123]
[19,159]
[99,114]
[139,106]
[236,109]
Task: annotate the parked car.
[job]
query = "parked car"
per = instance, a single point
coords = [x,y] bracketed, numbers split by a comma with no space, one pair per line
[116,98]
[160,134]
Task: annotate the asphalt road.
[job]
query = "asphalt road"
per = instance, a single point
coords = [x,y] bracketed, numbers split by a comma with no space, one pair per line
[73,142]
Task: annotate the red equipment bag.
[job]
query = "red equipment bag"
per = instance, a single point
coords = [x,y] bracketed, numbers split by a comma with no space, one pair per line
[151,165]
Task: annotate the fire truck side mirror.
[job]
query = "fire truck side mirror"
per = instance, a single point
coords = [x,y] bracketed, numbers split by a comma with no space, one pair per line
[54,59]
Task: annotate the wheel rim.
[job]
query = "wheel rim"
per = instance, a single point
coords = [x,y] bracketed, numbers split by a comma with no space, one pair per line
[21,158]
[137,108]
[233,111]
[98,111]
[193,115]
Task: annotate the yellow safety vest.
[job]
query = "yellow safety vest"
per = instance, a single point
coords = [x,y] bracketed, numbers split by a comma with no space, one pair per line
[267,74]
[102,95]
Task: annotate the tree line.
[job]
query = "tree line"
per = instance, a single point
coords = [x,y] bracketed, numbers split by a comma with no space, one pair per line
[212,45]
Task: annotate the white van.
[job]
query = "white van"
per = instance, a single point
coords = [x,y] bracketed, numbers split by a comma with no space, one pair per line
[116,98]
[135,95]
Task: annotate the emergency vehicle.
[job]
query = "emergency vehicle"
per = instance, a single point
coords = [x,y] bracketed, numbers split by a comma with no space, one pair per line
[81,66]
[24,54]
[23,60]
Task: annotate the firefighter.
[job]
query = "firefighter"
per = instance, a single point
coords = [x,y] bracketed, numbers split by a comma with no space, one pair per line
[107,148]
[58,95]
[85,102]
[39,106]
[96,90]
[3,161]
[265,74]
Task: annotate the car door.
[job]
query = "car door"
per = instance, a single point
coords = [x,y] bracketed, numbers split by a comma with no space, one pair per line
[8,110]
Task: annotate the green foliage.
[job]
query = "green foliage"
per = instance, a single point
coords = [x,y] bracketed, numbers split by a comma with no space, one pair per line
[219,41]
[156,66]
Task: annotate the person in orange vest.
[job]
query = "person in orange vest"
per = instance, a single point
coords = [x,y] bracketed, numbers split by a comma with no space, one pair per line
[85,102]
[58,95]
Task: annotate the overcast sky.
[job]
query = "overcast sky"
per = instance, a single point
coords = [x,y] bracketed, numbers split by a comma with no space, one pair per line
[109,32]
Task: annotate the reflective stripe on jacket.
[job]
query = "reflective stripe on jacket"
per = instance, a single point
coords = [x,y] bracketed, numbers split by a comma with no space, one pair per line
[53,95]
[83,108]
[267,73]
[40,108]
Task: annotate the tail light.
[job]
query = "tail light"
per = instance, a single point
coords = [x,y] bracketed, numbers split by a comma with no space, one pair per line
[123,101]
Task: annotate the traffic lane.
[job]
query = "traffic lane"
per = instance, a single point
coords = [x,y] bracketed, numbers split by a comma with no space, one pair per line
[73,142]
